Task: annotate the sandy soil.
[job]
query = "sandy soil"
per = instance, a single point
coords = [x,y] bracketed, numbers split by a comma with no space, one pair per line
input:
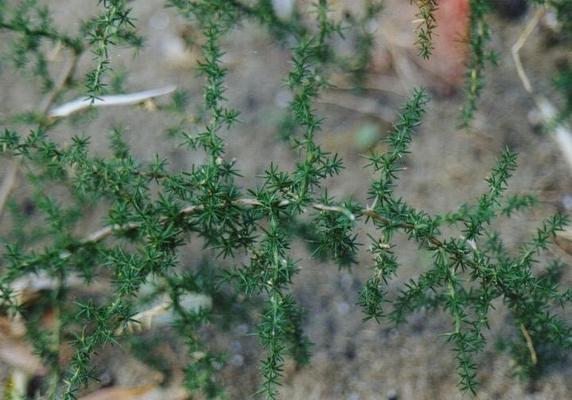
[352,360]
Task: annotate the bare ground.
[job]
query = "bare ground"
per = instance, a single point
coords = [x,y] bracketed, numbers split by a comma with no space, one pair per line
[351,359]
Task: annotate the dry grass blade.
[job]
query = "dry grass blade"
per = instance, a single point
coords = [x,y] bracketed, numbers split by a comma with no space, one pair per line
[8,184]
[65,77]
[529,344]
[161,314]
[29,287]
[112,100]
[133,393]
[561,131]
[518,45]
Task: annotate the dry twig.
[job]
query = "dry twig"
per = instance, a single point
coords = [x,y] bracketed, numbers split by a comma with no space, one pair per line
[520,42]
[65,78]
[10,180]
[112,100]
[8,184]
[105,232]
[529,344]
[562,133]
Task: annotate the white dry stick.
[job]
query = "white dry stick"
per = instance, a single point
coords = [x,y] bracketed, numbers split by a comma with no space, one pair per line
[520,43]
[112,100]
[67,73]
[560,132]
[30,286]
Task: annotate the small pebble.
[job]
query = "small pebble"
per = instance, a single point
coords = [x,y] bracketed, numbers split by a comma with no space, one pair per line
[283,8]
[237,360]
[567,202]
[241,329]
[392,395]
[235,346]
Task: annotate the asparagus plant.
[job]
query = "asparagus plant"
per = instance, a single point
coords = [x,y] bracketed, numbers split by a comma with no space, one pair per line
[151,211]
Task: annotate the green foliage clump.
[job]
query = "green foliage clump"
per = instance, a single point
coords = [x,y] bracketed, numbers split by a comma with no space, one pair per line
[152,212]
[427,25]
